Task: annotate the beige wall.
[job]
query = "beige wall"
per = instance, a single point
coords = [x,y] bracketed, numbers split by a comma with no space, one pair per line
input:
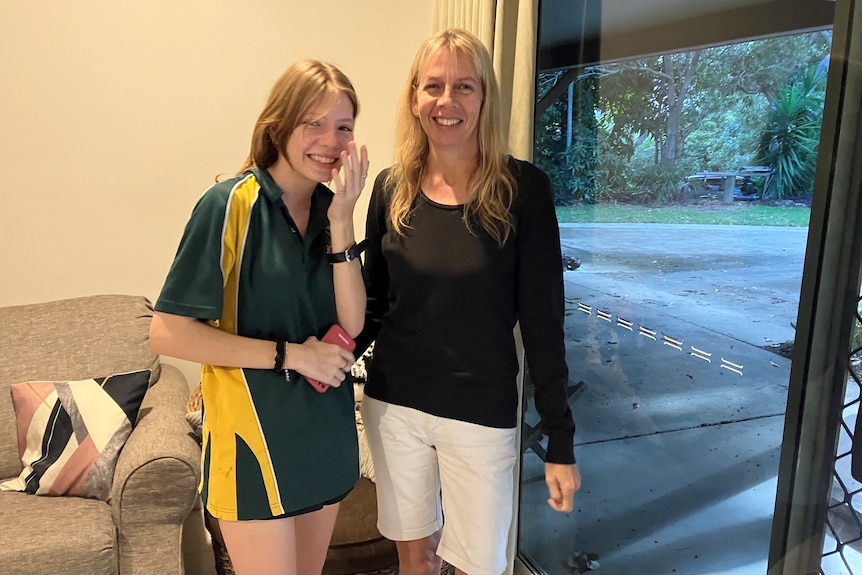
[115,116]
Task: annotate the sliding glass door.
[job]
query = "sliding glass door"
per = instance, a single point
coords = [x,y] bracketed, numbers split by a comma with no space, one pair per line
[682,139]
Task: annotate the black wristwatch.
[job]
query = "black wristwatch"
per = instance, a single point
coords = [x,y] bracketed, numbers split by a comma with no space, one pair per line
[349,254]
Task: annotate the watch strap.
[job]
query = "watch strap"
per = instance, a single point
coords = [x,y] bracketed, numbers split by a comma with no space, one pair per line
[349,254]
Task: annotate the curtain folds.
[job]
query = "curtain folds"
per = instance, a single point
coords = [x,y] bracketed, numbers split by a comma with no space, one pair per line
[508,30]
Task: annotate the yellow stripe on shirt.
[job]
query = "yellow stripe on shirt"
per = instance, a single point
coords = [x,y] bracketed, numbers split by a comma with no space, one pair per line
[226,389]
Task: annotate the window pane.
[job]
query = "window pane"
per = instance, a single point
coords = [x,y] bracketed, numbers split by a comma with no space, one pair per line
[684,183]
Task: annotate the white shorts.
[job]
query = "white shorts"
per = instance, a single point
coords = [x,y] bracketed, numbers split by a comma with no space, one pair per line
[419,456]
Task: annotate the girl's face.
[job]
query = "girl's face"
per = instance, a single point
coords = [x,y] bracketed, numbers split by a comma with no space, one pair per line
[315,145]
[448,101]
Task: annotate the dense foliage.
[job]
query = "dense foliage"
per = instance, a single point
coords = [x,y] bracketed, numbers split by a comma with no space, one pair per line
[640,127]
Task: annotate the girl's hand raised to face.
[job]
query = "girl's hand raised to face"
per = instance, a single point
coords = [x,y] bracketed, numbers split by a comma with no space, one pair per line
[348,181]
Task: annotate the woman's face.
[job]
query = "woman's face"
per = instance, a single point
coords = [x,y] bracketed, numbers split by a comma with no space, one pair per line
[448,101]
[315,145]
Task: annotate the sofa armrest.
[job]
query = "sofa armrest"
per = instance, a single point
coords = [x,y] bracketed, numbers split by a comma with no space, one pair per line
[156,480]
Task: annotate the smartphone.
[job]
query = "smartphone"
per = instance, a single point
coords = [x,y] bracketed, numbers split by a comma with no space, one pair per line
[335,334]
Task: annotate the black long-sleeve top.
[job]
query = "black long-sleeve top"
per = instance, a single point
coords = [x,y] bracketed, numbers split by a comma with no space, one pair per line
[443,303]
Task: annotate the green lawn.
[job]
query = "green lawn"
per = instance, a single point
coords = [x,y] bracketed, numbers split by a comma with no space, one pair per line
[736,214]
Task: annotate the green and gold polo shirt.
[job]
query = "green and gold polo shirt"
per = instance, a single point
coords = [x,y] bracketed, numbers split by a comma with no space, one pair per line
[271,445]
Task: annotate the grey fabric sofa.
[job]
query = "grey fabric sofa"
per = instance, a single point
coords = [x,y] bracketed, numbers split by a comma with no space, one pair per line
[155,481]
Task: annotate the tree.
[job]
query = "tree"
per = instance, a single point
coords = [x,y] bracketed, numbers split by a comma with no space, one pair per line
[717,97]
[788,143]
[648,97]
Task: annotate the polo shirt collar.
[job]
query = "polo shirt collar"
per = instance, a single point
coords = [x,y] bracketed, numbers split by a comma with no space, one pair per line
[271,191]
[321,197]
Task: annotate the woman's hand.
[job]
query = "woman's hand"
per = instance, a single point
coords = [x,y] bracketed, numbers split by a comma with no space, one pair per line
[348,182]
[325,362]
[562,480]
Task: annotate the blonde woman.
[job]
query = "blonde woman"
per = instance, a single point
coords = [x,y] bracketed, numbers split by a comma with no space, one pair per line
[463,243]
[266,264]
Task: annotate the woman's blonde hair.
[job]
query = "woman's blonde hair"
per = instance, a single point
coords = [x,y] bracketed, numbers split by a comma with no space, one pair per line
[299,88]
[492,185]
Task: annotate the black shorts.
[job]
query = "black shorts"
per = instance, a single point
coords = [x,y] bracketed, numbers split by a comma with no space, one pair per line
[311,509]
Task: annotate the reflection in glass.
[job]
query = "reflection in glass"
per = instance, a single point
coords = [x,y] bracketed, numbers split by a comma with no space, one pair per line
[683,186]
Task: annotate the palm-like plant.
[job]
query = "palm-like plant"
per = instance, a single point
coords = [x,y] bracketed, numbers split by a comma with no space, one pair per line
[789,142]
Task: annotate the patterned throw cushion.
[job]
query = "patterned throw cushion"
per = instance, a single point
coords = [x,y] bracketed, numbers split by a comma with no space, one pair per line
[70,433]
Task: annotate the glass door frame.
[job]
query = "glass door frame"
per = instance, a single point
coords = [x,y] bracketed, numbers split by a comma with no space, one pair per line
[828,302]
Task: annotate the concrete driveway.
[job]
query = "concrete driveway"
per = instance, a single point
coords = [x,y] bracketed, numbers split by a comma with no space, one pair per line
[741,281]
[680,425]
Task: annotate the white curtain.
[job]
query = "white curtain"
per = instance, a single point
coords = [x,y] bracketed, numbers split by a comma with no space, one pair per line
[508,30]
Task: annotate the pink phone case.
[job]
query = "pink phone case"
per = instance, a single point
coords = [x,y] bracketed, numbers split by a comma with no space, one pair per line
[335,334]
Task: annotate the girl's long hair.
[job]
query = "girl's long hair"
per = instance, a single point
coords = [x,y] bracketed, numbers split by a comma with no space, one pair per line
[299,88]
[492,185]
